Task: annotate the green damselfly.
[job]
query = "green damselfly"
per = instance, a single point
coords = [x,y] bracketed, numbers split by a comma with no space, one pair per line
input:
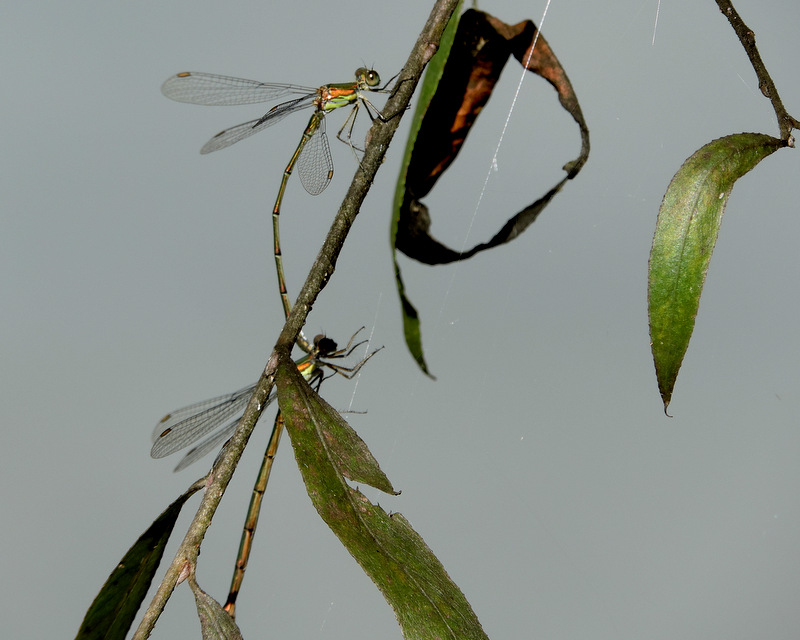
[312,155]
[214,421]
[211,422]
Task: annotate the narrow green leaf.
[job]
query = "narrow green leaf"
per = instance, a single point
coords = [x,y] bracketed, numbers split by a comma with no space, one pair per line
[411,324]
[215,622]
[323,434]
[110,615]
[686,232]
[433,74]
[427,603]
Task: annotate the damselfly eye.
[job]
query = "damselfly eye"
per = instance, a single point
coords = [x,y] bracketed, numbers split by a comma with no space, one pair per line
[369,77]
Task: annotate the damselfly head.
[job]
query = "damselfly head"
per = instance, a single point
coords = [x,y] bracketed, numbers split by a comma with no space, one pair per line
[367,77]
[324,345]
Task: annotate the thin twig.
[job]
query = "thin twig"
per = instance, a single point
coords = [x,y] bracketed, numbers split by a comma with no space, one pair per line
[379,137]
[748,39]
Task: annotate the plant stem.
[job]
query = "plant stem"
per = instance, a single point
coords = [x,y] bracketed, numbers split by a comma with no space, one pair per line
[378,138]
[748,39]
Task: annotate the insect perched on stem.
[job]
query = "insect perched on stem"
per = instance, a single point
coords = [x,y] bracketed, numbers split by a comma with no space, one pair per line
[312,155]
[213,421]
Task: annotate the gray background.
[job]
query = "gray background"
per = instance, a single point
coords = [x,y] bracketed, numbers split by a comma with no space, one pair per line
[137,276]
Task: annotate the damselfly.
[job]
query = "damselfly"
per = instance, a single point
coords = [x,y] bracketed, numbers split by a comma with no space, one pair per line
[312,155]
[219,417]
[212,422]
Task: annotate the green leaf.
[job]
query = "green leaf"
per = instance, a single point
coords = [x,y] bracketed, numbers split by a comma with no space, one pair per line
[686,232]
[110,615]
[411,324]
[320,434]
[427,603]
[215,622]
[433,74]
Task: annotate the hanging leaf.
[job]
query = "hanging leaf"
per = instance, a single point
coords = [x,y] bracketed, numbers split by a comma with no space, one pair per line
[215,622]
[113,610]
[411,324]
[455,91]
[427,603]
[686,232]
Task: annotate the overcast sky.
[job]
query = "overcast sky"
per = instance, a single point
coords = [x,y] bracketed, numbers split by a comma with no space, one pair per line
[137,277]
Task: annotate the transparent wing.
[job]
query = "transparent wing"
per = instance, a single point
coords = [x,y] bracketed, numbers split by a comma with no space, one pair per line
[185,426]
[208,445]
[214,90]
[227,137]
[315,165]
